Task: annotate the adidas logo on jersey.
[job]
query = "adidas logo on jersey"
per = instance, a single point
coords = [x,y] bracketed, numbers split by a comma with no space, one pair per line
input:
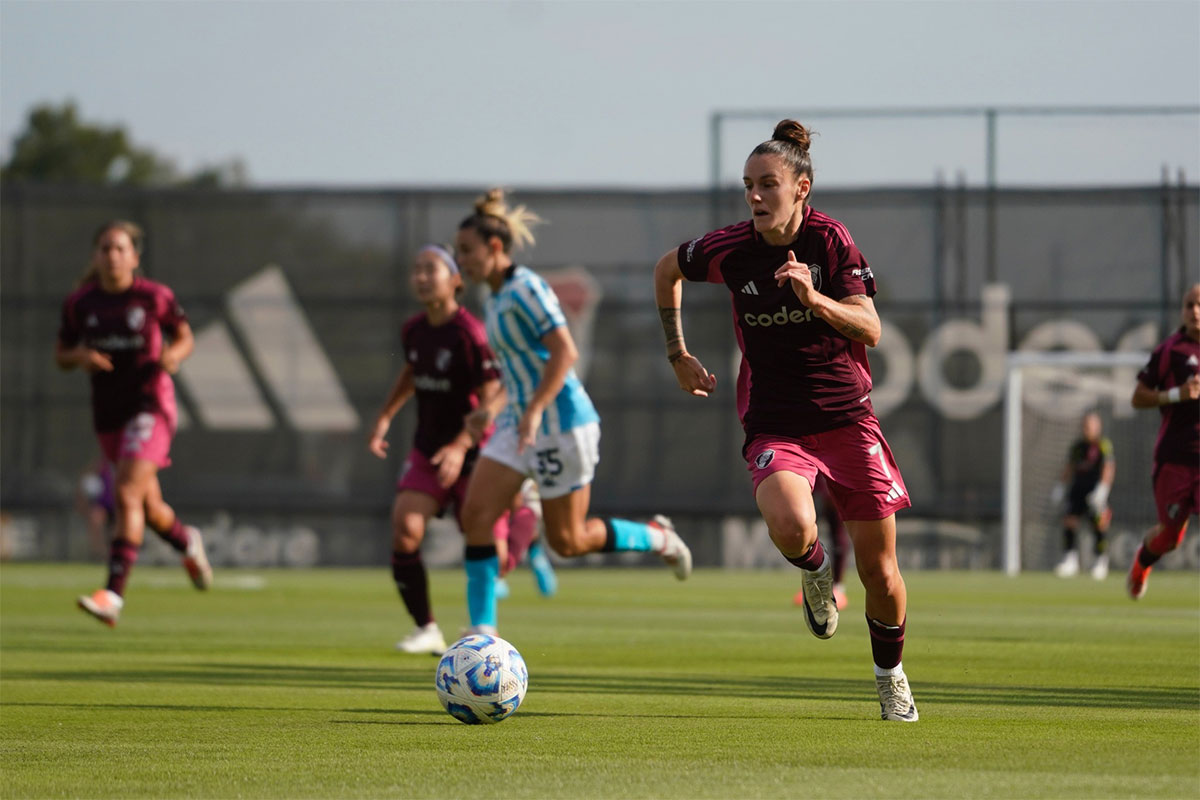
[1193,361]
[750,288]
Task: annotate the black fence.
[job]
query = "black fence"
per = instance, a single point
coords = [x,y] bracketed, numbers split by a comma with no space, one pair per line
[297,298]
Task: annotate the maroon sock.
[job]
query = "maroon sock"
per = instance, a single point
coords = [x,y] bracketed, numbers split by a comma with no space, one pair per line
[887,643]
[120,564]
[174,535]
[841,546]
[408,570]
[812,559]
[522,530]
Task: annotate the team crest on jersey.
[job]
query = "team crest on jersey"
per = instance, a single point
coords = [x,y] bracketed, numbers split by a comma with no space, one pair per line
[136,318]
[815,271]
[764,459]
[1193,361]
[442,359]
[412,356]
[92,321]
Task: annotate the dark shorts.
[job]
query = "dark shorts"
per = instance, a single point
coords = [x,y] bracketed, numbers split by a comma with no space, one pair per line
[419,475]
[861,472]
[1176,493]
[1077,505]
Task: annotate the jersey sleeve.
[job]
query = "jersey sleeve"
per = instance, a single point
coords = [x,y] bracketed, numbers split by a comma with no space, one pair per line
[1152,375]
[538,305]
[696,260]
[1106,449]
[484,366]
[406,330]
[170,312]
[69,332]
[849,274]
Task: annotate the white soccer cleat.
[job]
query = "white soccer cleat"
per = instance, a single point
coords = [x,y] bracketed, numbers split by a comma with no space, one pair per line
[895,698]
[1100,567]
[423,639]
[820,606]
[1069,566]
[103,605]
[195,560]
[675,552]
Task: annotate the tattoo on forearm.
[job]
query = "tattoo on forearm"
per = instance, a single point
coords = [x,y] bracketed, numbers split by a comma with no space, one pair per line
[853,331]
[672,327]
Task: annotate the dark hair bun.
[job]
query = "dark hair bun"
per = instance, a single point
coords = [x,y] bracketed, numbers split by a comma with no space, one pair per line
[793,132]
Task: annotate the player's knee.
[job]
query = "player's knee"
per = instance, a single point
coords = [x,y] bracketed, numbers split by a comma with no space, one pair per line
[567,542]
[129,497]
[880,576]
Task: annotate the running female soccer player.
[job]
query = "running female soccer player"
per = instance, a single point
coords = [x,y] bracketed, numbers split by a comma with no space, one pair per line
[803,315]
[548,429]
[450,369]
[114,327]
[1088,475]
[1171,383]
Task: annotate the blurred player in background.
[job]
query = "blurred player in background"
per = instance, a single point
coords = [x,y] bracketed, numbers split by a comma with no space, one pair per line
[1170,382]
[546,426]
[839,542]
[450,369]
[1087,479]
[801,294]
[130,335]
[95,503]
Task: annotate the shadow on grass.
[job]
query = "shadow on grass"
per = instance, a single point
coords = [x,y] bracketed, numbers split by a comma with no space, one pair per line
[782,687]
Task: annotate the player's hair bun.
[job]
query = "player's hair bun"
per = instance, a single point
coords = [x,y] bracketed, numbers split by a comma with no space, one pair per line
[493,217]
[791,131]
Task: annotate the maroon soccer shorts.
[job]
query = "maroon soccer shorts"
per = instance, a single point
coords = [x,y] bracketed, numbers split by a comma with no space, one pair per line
[1176,494]
[146,437]
[420,475]
[861,472]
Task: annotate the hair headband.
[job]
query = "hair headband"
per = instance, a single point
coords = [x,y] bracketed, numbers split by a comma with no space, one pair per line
[441,253]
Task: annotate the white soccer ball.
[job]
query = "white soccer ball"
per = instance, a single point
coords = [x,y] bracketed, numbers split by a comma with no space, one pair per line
[481,679]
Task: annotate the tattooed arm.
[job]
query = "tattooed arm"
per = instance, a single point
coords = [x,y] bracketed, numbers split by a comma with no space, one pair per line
[854,317]
[668,293]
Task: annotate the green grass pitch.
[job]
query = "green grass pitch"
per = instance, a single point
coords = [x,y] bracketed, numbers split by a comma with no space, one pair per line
[285,684]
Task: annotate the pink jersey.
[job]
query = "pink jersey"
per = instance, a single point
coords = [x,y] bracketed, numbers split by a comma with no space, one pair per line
[450,362]
[128,327]
[1170,365]
[799,376]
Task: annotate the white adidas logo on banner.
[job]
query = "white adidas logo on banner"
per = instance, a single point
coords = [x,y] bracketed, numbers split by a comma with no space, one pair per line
[284,352]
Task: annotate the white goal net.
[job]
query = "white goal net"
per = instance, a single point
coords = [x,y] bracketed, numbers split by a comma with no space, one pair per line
[1046,397]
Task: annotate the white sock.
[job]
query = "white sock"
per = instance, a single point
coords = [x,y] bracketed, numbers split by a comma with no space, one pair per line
[880,672]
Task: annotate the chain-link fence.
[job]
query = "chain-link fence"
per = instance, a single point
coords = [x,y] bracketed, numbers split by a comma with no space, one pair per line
[297,298]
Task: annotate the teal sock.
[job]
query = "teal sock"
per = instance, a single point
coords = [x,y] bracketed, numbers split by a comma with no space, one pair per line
[624,534]
[483,567]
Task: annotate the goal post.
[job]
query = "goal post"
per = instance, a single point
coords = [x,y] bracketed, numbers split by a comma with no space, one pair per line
[1046,395]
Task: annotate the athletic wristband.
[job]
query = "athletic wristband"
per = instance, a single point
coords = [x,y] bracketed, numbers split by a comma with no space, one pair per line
[1173,395]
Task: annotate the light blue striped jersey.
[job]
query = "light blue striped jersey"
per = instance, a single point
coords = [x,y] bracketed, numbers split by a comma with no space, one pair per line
[517,317]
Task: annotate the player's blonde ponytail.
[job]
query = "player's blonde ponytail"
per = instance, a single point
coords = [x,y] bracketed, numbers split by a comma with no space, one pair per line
[493,217]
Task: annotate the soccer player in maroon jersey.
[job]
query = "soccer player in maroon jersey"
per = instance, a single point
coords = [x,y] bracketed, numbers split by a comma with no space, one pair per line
[804,317]
[130,335]
[1170,382]
[449,369]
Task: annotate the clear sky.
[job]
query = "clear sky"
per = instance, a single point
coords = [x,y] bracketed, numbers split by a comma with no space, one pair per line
[562,94]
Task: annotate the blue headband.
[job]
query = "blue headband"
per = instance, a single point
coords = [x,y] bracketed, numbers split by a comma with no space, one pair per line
[441,253]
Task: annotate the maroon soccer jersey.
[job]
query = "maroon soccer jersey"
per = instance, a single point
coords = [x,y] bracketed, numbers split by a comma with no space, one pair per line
[128,327]
[450,362]
[1170,365]
[799,375]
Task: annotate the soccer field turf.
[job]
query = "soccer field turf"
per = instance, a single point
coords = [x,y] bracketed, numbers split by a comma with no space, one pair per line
[285,684]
